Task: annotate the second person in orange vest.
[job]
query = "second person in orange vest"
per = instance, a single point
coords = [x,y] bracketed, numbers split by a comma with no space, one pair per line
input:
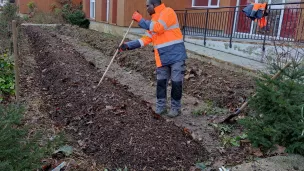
[163,31]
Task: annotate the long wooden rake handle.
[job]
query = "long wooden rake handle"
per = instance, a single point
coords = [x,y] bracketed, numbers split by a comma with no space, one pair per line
[246,103]
[273,78]
[117,50]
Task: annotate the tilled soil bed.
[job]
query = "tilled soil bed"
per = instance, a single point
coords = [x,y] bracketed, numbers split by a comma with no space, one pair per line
[109,123]
[205,81]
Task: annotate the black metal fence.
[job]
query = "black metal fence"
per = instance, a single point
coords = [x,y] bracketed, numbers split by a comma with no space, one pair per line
[284,22]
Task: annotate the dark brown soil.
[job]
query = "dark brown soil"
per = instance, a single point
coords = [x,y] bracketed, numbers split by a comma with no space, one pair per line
[222,87]
[109,123]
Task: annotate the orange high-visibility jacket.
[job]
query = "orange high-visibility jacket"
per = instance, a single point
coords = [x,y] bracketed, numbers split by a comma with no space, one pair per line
[256,12]
[164,32]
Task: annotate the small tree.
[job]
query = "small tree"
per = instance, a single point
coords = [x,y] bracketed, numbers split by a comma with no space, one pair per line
[17,152]
[75,16]
[31,5]
[279,102]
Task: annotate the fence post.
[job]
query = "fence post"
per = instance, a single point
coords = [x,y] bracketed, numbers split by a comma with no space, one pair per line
[232,28]
[185,25]
[206,25]
[264,41]
[16,59]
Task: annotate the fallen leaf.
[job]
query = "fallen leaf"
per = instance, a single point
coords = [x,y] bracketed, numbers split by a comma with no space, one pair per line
[124,106]
[109,107]
[186,131]
[192,76]
[199,73]
[193,168]
[195,103]
[120,112]
[219,163]
[257,152]
[279,150]
[156,116]
[222,150]
[81,143]
[90,122]
[187,77]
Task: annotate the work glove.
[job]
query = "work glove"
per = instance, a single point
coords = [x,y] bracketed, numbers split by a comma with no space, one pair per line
[123,47]
[136,16]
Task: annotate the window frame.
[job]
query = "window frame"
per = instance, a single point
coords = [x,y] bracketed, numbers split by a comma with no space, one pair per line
[92,16]
[209,4]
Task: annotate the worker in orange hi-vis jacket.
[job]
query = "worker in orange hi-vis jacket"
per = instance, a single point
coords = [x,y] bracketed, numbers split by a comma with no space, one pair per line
[164,33]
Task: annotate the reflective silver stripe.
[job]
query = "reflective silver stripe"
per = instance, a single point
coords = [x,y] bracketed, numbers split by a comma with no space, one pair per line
[148,34]
[168,44]
[152,26]
[164,24]
[141,42]
[173,26]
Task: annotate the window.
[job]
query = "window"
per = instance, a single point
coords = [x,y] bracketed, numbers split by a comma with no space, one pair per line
[92,9]
[205,3]
[2,2]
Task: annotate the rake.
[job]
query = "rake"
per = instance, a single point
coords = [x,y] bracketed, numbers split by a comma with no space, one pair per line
[117,50]
[238,111]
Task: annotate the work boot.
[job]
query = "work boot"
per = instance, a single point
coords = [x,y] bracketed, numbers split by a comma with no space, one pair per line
[174,113]
[160,111]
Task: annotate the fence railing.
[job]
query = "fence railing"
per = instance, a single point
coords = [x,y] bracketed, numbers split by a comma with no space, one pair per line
[285,22]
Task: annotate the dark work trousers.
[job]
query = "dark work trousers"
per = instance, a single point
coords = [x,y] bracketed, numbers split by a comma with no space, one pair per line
[175,72]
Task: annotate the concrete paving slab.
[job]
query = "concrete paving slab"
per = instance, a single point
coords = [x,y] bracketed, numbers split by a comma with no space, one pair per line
[276,163]
[223,56]
[212,53]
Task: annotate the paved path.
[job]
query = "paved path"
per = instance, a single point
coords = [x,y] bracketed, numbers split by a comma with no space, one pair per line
[215,54]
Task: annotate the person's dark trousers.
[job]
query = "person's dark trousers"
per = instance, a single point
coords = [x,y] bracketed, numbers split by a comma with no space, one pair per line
[175,72]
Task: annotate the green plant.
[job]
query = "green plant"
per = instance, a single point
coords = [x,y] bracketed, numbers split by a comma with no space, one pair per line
[279,104]
[53,6]
[47,18]
[9,12]
[75,16]
[21,149]
[209,109]
[31,5]
[222,128]
[232,141]
[302,120]
[125,169]
[7,78]
[227,140]
[57,11]
[26,18]
[63,2]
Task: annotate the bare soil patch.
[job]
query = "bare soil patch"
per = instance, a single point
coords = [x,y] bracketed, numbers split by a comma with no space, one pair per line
[109,123]
[203,80]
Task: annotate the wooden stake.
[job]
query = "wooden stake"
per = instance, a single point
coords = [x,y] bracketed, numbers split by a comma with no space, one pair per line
[16,59]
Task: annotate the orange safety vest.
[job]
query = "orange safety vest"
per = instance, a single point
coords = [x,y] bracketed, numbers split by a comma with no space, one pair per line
[257,12]
[263,7]
[166,36]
